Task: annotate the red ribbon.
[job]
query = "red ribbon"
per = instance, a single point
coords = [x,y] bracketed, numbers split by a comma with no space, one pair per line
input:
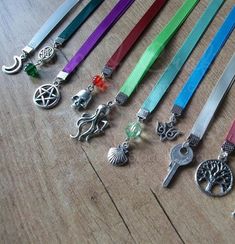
[133,36]
[231,135]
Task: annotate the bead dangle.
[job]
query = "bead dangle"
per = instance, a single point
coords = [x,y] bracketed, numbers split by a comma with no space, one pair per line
[45,56]
[118,156]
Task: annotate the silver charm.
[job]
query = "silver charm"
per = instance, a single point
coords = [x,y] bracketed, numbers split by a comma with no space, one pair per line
[81,99]
[94,123]
[117,156]
[47,96]
[181,155]
[16,67]
[233,214]
[212,173]
[168,131]
[46,54]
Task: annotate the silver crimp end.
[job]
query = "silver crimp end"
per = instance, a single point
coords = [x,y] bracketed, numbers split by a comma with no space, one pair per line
[62,75]
[28,49]
[143,114]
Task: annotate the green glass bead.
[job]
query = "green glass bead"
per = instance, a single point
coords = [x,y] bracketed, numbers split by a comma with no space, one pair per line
[31,70]
[133,130]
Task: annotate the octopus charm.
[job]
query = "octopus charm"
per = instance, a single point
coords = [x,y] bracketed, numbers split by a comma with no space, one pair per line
[94,123]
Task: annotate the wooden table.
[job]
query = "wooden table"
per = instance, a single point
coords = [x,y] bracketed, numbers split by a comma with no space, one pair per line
[57,190]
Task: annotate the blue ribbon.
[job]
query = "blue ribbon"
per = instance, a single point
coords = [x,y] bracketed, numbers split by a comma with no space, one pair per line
[206,60]
[181,57]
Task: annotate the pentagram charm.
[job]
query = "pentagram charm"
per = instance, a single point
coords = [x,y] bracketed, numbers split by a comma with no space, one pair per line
[46,54]
[214,173]
[46,96]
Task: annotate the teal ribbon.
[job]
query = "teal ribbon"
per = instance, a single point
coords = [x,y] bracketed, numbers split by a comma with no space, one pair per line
[180,58]
[78,21]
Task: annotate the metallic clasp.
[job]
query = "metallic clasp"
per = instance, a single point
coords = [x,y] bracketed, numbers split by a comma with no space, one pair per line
[223,156]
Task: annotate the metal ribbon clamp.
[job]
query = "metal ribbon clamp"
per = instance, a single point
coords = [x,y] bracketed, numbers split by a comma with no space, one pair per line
[182,154]
[37,39]
[197,76]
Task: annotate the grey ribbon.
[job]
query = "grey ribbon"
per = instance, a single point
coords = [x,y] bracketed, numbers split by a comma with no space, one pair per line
[50,24]
[218,93]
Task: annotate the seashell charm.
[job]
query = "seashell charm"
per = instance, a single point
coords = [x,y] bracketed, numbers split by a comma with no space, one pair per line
[117,156]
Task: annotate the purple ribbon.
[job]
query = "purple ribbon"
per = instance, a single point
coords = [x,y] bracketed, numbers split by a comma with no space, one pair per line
[119,9]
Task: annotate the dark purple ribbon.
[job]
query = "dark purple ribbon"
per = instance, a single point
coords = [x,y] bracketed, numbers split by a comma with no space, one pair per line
[119,9]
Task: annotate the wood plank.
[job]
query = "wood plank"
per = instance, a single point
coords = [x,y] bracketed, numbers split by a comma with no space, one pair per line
[56,190]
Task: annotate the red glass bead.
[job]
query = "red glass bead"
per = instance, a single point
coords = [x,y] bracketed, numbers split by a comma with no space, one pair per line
[100,83]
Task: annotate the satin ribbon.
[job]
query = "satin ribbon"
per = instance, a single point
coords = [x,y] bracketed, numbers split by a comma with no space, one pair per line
[52,22]
[179,60]
[231,134]
[205,62]
[154,50]
[132,37]
[38,38]
[119,9]
[78,21]
[213,102]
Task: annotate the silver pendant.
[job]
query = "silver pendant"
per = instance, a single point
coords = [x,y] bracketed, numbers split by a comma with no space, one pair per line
[117,156]
[47,96]
[16,67]
[90,125]
[214,177]
[46,54]
[167,131]
[81,99]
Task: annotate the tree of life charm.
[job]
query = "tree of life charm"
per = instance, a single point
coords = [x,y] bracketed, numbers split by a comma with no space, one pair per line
[46,96]
[214,173]
[46,54]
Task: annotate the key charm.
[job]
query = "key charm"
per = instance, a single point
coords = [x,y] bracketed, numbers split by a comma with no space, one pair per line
[181,155]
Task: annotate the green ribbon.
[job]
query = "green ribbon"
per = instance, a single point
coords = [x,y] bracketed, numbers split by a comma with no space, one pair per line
[181,57]
[154,50]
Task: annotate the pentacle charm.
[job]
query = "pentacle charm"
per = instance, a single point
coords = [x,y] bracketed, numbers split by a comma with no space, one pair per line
[47,96]
[214,177]
[90,125]
[117,156]
[46,54]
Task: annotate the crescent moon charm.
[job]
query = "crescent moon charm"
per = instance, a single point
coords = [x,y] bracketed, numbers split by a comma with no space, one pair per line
[15,67]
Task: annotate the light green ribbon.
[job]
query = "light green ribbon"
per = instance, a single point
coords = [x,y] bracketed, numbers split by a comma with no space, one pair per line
[181,57]
[154,50]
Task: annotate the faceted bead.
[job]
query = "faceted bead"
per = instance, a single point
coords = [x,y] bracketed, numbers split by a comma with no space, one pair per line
[31,70]
[133,130]
[100,83]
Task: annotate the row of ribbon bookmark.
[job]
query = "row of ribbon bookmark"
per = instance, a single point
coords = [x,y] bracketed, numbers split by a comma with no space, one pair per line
[214,177]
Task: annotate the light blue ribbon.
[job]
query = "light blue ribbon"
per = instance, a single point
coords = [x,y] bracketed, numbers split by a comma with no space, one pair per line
[206,60]
[181,57]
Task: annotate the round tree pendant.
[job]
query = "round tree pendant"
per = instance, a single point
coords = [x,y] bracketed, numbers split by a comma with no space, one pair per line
[46,54]
[214,177]
[46,96]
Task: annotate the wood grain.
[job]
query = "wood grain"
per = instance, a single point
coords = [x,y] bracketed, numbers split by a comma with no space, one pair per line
[56,190]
